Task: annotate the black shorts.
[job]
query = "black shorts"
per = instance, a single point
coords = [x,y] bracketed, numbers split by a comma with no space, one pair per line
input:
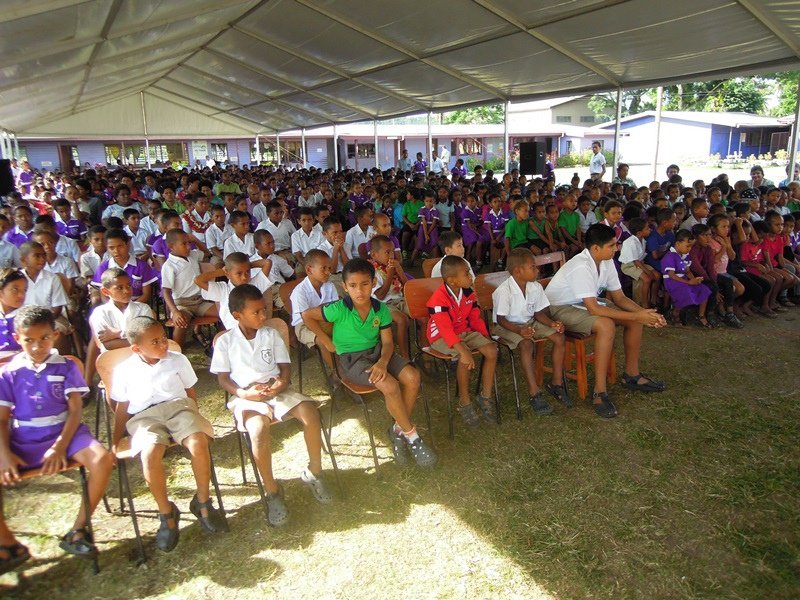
[353,365]
[540,244]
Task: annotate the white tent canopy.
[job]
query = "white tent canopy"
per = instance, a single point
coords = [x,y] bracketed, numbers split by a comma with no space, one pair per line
[230,67]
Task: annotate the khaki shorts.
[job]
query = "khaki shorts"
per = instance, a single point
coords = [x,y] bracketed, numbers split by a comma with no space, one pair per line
[63,325]
[280,406]
[576,320]
[631,270]
[277,301]
[305,335]
[167,421]
[397,304]
[512,340]
[194,305]
[471,339]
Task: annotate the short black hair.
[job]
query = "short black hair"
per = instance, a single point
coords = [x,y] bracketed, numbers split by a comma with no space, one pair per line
[305,210]
[236,258]
[362,210]
[664,214]
[517,258]
[129,212]
[117,234]
[10,275]
[167,215]
[260,235]
[448,238]
[357,265]
[31,315]
[683,235]
[28,247]
[636,224]
[378,241]
[330,222]
[238,215]
[700,229]
[273,206]
[450,264]
[111,275]
[312,256]
[599,234]
[173,235]
[241,294]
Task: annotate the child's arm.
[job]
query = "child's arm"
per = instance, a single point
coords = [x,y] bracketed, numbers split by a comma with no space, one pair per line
[523,330]
[535,228]
[300,258]
[377,372]
[9,462]
[147,293]
[55,458]
[543,317]
[313,319]
[179,318]
[203,279]
[121,417]
[281,383]
[397,265]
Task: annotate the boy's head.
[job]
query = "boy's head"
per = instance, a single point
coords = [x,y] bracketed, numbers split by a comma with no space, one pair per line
[169,219]
[62,209]
[358,277]
[332,229]
[275,212]
[305,217]
[382,224]
[551,212]
[639,226]
[539,213]
[178,242]
[456,272]
[381,249]
[48,240]
[237,268]
[32,256]
[147,338]
[665,218]
[318,266]
[97,239]
[601,241]
[122,194]
[321,213]
[363,216]
[131,217]
[240,223]
[23,218]
[13,286]
[264,242]
[117,245]
[699,208]
[247,306]
[218,215]
[612,211]
[35,332]
[775,222]
[116,284]
[522,265]
[201,203]
[153,208]
[451,243]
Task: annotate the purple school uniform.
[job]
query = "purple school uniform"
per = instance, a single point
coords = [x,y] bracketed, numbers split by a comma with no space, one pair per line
[17,237]
[682,294]
[138,270]
[419,166]
[7,341]
[429,216]
[469,216]
[460,171]
[497,222]
[38,399]
[151,239]
[74,229]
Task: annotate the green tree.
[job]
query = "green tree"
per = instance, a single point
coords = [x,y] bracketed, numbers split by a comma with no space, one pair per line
[787,93]
[739,95]
[604,105]
[490,113]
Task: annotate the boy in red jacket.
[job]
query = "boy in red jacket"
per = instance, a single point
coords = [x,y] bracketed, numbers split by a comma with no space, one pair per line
[455,328]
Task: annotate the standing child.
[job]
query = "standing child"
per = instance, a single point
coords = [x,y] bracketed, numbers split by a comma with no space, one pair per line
[520,318]
[646,280]
[428,232]
[456,329]
[685,289]
[252,364]
[495,221]
[420,166]
[362,340]
[40,426]
[13,285]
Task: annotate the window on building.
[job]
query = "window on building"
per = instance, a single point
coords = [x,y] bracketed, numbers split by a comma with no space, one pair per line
[22,154]
[135,154]
[268,153]
[74,152]
[112,153]
[219,152]
[563,119]
[589,119]
[570,147]
[363,150]
[753,138]
[291,152]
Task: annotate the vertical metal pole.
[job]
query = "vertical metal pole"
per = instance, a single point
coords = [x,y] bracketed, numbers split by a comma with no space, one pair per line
[335,148]
[16,146]
[659,102]
[616,131]
[505,135]
[303,146]
[430,141]
[258,150]
[278,144]
[3,147]
[375,135]
[144,127]
[122,156]
[794,136]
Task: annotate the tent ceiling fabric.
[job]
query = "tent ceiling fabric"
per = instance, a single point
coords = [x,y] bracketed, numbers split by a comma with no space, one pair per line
[274,65]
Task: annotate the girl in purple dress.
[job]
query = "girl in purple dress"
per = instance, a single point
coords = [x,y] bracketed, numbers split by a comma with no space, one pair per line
[459,168]
[357,198]
[13,286]
[428,231]
[685,289]
[420,166]
[473,229]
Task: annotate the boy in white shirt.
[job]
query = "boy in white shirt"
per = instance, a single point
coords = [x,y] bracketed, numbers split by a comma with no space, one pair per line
[216,234]
[181,294]
[108,321]
[241,239]
[138,236]
[252,364]
[306,238]
[279,270]
[452,244]
[158,404]
[646,280]
[361,232]
[586,214]
[280,228]
[149,223]
[238,271]
[520,317]
[334,246]
[45,289]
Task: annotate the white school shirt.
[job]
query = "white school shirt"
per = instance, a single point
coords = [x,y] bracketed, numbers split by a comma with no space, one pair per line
[116,210]
[249,361]
[220,291]
[178,273]
[310,202]
[355,237]
[318,227]
[68,247]
[436,165]
[215,237]
[89,262]
[632,249]
[64,265]
[281,233]
[259,211]
[303,242]
[204,219]
[281,269]
[328,248]
[511,303]
[587,220]
[138,240]
[597,163]
[304,296]
[46,291]
[437,269]
[391,295]
[108,316]
[149,226]
[9,255]
[579,279]
[142,385]
[234,244]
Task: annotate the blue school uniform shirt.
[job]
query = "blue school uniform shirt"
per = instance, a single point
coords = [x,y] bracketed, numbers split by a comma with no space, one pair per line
[397,215]
[656,241]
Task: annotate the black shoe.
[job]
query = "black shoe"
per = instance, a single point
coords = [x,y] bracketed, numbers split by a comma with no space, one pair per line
[82,546]
[423,453]
[399,447]
[166,538]
[213,523]
[605,408]
[731,320]
[539,405]
[713,320]
[560,393]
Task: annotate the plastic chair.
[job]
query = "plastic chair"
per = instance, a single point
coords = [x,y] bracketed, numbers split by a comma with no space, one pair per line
[557,259]
[427,266]
[417,292]
[362,251]
[105,368]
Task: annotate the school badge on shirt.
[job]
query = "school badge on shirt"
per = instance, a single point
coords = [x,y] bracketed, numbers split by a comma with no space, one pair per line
[376,322]
[266,355]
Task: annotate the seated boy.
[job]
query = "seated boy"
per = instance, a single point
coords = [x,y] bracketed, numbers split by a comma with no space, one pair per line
[108,321]
[143,276]
[237,269]
[520,318]
[252,364]
[181,294]
[389,282]
[137,235]
[40,417]
[94,254]
[334,246]
[281,229]
[452,244]
[240,240]
[456,329]
[305,239]
[157,403]
[362,339]
[279,269]
[216,234]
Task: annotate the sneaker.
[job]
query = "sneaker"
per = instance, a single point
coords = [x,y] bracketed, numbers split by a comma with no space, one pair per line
[317,486]
[399,447]
[539,405]
[423,453]
[277,513]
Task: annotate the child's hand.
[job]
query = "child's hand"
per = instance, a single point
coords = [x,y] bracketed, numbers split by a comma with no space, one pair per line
[9,468]
[108,335]
[377,373]
[651,318]
[527,331]
[55,460]
[181,319]
[266,266]
[466,358]
[558,326]
[252,393]
[327,343]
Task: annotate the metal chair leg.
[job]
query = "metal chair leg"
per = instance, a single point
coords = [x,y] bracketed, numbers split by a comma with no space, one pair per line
[516,385]
[87,511]
[256,475]
[497,401]
[369,431]
[123,475]
[449,402]
[327,441]
[216,489]
[300,365]
[241,458]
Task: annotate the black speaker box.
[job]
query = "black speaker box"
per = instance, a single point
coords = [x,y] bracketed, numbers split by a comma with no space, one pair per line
[6,177]
[532,158]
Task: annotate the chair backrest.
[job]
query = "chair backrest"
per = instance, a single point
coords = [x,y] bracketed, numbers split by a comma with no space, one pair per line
[285,292]
[417,292]
[428,264]
[486,284]
[108,360]
[551,258]
[281,327]
[362,251]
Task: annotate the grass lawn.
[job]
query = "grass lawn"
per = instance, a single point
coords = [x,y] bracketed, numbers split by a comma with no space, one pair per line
[692,493]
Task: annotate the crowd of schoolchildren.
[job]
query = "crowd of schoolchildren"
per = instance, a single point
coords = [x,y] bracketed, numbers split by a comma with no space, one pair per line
[111,249]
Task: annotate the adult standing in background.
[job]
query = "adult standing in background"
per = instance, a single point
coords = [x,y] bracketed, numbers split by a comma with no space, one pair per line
[436,164]
[445,156]
[404,164]
[513,162]
[597,165]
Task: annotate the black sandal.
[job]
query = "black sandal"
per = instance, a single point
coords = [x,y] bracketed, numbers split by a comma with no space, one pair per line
[650,385]
[488,408]
[605,408]
[167,537]
[213,523]
[469,415]
[17,554]
[560,393]
[83,546]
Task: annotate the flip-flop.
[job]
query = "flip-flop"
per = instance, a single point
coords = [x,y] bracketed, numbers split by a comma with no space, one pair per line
[17,554]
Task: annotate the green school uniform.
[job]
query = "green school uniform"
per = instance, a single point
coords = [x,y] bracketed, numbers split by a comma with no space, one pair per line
[540,225]
[569,221]
[350,332]
[411,210]
[518,233]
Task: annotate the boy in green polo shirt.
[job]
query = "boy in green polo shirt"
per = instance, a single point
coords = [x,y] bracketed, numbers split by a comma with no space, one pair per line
[410,214]
[362,340]
[518,233]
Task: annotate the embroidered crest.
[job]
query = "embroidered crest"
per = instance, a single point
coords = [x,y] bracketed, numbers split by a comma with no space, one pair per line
[376,322]
[57,389]
[266,355]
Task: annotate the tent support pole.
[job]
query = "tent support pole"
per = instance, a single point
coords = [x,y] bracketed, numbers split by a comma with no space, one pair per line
[122,156]
[335,148]
[16,146]
[616,130]
[278,144]
[793,136]
[257,151]
[659,103]
[506,151]
[303,146]
[3,144]
[144,127]
[375,135]
[430,141]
